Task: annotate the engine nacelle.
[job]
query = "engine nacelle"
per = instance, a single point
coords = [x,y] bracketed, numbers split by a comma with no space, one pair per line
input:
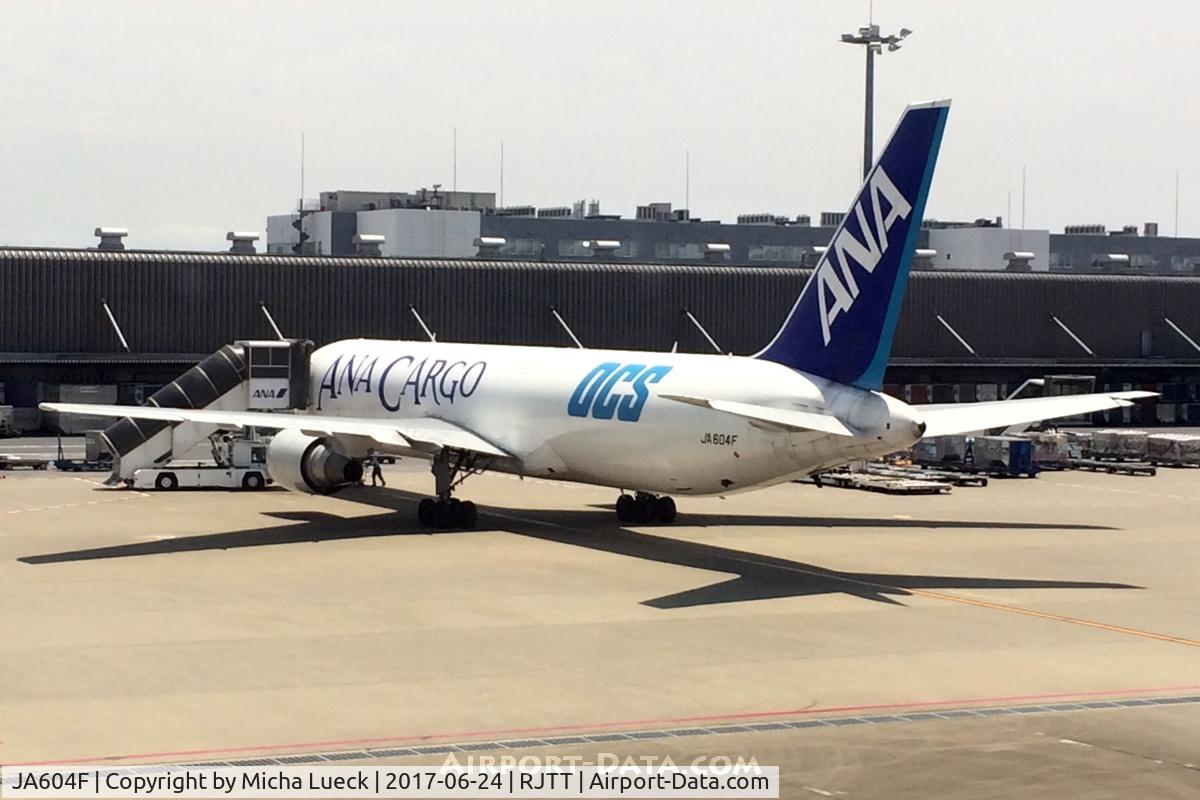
[310,464]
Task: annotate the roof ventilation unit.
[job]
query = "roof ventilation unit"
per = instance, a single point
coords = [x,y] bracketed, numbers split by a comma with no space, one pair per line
[756,219]
[368,245]
[1111,261]
[1019,261]
[654,212]
[516,211]
[242,242]
[489,246]
[110,238]
[923,259]
[602,248]
[813,255]
[717,251]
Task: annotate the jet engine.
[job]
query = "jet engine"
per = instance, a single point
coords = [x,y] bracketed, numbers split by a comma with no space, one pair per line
[310,464]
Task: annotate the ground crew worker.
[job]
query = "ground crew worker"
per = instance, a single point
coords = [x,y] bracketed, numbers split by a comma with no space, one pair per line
[376,469]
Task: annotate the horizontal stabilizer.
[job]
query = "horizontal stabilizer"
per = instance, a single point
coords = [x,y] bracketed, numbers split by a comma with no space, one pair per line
[422,434]
[946,419]
[784,418]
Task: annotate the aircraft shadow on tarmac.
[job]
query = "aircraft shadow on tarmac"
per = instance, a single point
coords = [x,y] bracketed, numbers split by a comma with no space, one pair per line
[757,577]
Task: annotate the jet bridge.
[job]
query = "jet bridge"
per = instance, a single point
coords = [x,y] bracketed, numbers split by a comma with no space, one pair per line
[243,376]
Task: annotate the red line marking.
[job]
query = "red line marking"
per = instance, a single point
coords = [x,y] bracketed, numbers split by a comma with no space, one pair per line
[629,723]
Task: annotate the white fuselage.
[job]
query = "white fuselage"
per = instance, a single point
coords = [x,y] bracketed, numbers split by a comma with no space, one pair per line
[594,416]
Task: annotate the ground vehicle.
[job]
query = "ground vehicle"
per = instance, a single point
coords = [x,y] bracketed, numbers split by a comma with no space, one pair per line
[10,462]
[239,463]
[96,456]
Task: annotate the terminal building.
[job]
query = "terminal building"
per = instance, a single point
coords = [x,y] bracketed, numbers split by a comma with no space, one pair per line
[450,224]
[987,307]
[115,324]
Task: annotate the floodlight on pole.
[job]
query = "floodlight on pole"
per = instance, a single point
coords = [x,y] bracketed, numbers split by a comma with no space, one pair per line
[870,37]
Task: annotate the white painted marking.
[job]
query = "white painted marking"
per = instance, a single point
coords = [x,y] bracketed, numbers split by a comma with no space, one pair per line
[128,496]
[1107,490]
[42,447]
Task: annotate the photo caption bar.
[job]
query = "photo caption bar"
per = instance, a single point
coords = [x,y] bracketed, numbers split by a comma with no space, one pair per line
[192,781]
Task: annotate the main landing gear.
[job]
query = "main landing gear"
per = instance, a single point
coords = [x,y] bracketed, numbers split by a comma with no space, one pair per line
[644,507]
[449,470]
[448,513]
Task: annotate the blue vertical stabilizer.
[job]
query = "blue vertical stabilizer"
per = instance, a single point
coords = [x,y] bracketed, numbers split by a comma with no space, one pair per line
[842,325]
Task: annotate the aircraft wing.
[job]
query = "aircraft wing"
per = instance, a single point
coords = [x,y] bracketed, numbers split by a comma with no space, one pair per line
[423,434]
[944,419]
[785,418]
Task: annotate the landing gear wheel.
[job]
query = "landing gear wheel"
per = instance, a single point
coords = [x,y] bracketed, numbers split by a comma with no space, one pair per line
[447,514]
[625,505]
[664,510]
[643,508]
[465,515]
[426,510]
[443,515]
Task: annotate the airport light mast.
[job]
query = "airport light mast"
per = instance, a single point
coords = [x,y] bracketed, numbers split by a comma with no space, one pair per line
[869,36]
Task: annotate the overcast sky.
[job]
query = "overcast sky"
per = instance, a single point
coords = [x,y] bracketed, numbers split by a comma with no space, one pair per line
[182,121]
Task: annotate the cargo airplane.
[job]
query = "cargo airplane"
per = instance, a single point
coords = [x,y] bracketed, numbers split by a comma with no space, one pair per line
[650,424]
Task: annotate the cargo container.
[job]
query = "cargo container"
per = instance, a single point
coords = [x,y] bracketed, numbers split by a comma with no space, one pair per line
[940,450]
[26,420]
[1166,414]
[104,394]
[987,392]
[1182,449]
[917,393]
[945,393]
[1003,455]
[1050,450]
[1119,443]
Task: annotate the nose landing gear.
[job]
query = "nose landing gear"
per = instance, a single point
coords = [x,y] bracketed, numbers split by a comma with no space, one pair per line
[644,507]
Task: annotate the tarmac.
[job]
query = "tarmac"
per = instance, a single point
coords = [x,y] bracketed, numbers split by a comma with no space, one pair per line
[1036,637]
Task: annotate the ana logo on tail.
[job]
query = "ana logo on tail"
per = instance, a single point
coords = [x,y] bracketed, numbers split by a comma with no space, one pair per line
[842,324]
[848,250]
